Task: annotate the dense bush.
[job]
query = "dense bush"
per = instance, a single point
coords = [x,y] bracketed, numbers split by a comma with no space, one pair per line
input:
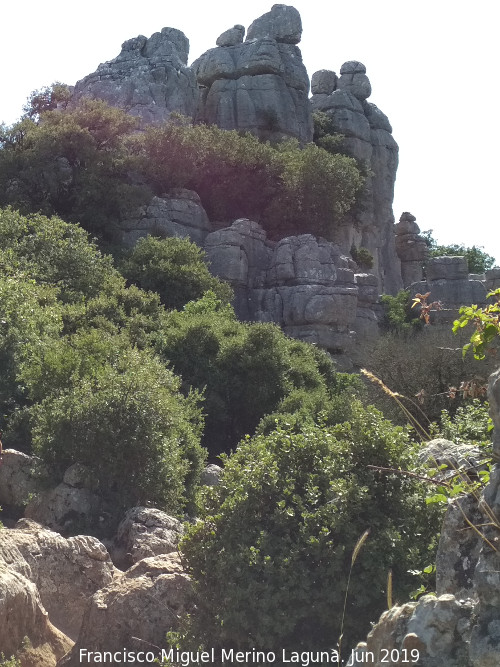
[270,559]
[128,422]
[174,268]
[29,315]
[74,164]
[245,370]
[54,252]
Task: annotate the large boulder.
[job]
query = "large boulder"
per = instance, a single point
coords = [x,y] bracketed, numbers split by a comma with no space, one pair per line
[260,85]
[178,213]
[19,478]
[411,249]
[66,572]
[149,79]
[302,283]
[25,629]
[145,532]
[136,610]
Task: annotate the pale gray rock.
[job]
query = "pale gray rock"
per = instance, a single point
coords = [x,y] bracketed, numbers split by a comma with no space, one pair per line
[282,23]
[438,628]
[232,36]
[494,403]
[145,532]
[148,79]
[22,616]
[292,282]
[353,80]
[461,458]
[210,476]
[447,268]
[368,138]
[492,279]
[20,478]
[260,85]
[178,213]
[136,610]
[65,508]
[65,572]
[459,549]
[323,82]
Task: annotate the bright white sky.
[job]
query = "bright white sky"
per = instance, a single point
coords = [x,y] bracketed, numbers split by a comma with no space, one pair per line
[433,65]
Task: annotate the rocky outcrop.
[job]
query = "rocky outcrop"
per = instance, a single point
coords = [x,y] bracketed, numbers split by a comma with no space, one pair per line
[260,85]
[71,505]
[136,610]
[148,79]
[368,138]
[64,572]
[302,283]
[178,213]
[411,249]
[211,475]
[145,532]
[19,479]
[448,281]
[25,629]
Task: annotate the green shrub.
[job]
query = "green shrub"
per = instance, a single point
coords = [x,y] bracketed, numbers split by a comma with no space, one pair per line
[174,268]
[128,422]
[53,252]
[270,559]
[362,257]
[245,370]
[398,314]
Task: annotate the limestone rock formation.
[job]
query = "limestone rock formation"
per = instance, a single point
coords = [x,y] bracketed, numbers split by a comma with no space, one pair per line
[260,85]
[177,213]
[368,138]
[64,572]
[23,617]
[135,610]
[149,78]
[145,532]
[232,36]
[449,283]
[302,283]
[211,474]
[71,504]
[18,481]
[411,249]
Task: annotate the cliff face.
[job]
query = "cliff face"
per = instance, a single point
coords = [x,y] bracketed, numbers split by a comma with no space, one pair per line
[368,138]
[259,84]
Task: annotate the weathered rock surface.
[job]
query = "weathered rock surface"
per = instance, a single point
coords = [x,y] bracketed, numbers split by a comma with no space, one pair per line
[210,476]
[145,602]
[65,572]
[148,79]
[178,213]
[411,249]
[466,459]
[260,85]
[22,616]
[368,138]
[449,283]
[18,478]
[69,506]
[302,283]
[232,36]
[145,532]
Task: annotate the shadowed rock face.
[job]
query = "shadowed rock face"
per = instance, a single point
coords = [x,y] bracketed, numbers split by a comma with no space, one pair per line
[260,85]
[368,138]
[149,78]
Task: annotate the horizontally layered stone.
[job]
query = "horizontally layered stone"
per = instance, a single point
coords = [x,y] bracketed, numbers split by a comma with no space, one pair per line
[411,249]
[260,85]
[178,213]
